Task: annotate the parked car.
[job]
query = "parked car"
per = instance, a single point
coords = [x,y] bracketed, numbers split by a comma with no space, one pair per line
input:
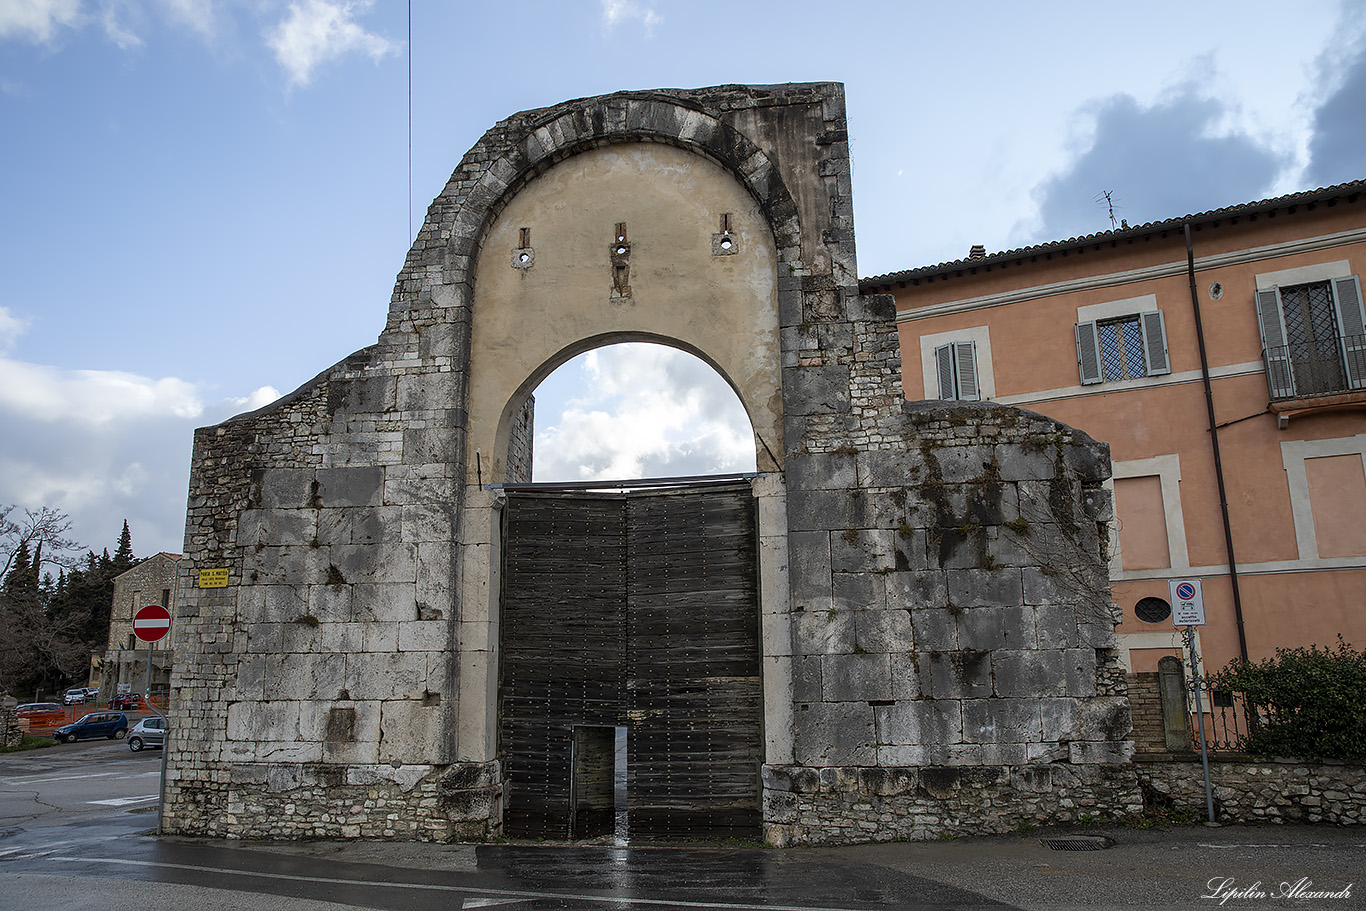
[96,724]
[40,708]
[125,701]
[149,732]
[78,694]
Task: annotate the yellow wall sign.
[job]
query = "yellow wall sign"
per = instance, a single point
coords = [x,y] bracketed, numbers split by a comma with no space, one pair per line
[213,578]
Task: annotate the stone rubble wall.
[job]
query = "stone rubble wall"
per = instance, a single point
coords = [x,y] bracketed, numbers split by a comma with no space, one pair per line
[1258,789]
[852,805]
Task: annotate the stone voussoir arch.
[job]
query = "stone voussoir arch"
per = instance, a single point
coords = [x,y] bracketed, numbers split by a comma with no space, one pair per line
[520,148]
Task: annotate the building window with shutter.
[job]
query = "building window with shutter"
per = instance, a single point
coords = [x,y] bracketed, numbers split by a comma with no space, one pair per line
[1122,348]
[956,365]
[1313,337]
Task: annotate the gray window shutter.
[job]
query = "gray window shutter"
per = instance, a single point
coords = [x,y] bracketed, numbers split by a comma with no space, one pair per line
[1155,343]
[943,359]
[965,367]
[1351,328]
[1280,379]
[1088,353]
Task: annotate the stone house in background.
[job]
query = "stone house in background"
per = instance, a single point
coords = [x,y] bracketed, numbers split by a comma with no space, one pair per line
[1104,333]
[898,627]
[155,580]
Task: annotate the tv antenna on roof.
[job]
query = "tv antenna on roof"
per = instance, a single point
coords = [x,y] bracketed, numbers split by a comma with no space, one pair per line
[1109,203]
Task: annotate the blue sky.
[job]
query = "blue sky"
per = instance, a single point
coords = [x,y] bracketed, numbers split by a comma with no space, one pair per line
[204,203]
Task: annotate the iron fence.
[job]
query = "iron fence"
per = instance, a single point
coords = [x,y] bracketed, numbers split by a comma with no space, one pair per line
[1315,368]
[1228,720]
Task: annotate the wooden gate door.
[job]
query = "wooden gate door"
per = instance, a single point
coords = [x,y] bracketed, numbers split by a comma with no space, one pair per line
[637,610]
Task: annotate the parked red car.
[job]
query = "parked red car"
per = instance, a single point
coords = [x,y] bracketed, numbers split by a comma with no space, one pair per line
[125,701]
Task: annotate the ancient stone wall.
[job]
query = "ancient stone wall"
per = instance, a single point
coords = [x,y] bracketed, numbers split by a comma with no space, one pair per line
[1250,789]
[936,634]
[950,610]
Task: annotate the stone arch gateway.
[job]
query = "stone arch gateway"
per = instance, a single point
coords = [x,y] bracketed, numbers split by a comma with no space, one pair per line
[935,650]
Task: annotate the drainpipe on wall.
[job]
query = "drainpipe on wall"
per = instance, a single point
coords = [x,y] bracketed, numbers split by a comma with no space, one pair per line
[1214,441]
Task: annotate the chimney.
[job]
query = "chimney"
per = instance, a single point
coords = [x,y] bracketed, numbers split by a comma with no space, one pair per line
[977,252]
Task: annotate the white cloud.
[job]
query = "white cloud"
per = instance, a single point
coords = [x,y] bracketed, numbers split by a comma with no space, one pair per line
[116,31]
[316,31]
[197,14]
[618,11]
[642,411]
[48,394]
[11,327]
[37,20]
[258,399]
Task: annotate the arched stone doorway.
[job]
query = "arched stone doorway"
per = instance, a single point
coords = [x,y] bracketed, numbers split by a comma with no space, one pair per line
[632,241]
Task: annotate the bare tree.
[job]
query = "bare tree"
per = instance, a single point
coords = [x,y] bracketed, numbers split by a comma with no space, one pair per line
[43,530]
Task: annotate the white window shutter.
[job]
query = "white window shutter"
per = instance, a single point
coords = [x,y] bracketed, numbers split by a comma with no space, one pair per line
[943,359]
[1088,353]
[965,370]
[1280,378]
[1351,328]
[1155,343]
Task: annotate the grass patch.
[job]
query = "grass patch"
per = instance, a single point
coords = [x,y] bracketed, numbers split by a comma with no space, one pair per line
[29,742]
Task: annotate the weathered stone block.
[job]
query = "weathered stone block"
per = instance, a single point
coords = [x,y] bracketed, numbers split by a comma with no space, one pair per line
[825,509]
[835,734]
[385,602]
[985,587]
[386,676]
[350,486]
[326,604]
[1107,753]
[809,560]
[917,589]
[960,464]
[1027,673]
[890,468]
[286,488]
[850,678]
[857,591]
[996,628]
[427,445]
[415,732]
[1080,667]
[862,551]
[816,390]
[806,679]
[430,391]
[905,677]
[884,631]
[305,677]
[822,471]
[272,603]
[827,632]
[959,674]
[922,722]
[1017,463]
[1001,721]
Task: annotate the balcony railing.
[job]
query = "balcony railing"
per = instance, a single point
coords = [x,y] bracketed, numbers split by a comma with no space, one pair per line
[1310,370]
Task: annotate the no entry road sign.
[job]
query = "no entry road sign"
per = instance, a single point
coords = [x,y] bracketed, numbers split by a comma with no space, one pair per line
[151,623]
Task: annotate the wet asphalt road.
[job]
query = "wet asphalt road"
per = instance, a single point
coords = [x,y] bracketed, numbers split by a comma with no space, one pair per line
[67,843]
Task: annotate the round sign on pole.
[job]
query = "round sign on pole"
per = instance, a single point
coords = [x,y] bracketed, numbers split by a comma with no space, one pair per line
[152,623]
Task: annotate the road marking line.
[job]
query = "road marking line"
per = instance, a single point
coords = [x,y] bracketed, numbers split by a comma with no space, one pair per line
[66,778]
[123,801]
[439,887]
[1277,847]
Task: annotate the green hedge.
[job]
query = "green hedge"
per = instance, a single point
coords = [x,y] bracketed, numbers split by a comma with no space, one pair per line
[1307,703]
